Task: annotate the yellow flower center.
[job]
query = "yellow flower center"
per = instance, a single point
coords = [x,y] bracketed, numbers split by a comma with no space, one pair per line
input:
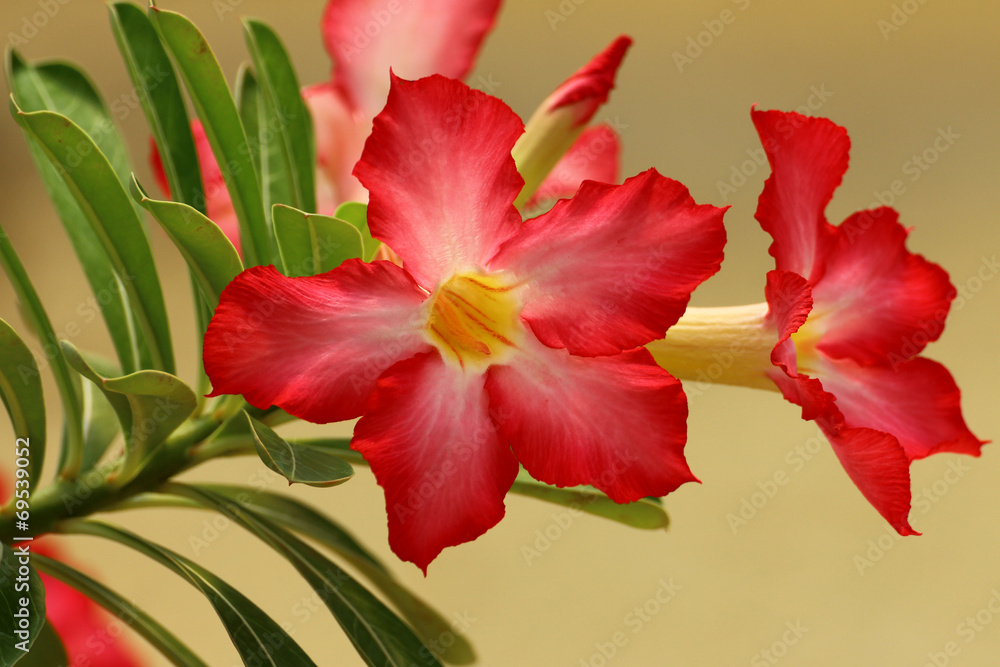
[474,319]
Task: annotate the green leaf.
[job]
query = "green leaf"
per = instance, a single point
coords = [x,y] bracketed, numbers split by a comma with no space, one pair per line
[214,104]
[357,215]
[311,244]
[62,89]
[48,650]
[21,391]
[286,122]
[39,321]
[150,405]
[151,72]
[20,623]
[378,635]
[248,103]
[100,424]
[295,515]
[109,210]
[313,467]
[212,258]
[256,636]
[647,513]
[134,617]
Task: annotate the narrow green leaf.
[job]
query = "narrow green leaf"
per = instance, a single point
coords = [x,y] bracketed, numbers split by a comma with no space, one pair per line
[48,649]
[378,635]
[214,104]
[213,260]
[357,214]
[109,211]
[311,244]
[151,72]
[100,424]
[43,88]
[647,513]
[248,103]
[21,391]
[22,603]
[290,513]
[288,124]
[150,405]
[134,617]
[297,464]
[39,322]
[256,636]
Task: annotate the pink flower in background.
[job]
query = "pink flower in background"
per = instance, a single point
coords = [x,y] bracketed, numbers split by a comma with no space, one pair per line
[486,348]
[415,39]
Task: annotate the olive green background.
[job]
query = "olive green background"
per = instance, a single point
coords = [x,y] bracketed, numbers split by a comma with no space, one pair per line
[815,556]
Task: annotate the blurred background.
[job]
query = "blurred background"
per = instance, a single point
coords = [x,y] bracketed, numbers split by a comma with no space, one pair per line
[814,576]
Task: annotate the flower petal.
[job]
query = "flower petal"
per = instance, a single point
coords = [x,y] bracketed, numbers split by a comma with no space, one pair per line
[594,157]
[433,447]
[440,176]
[808,159]
[340,135]
[617,423]
[314,346]
[586,290]
[917,402]
[876,299]
[880,469]
[416,38]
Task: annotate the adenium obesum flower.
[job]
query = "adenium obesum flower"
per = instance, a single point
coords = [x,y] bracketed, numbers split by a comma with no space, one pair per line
[415,38]
[848,310]
[498,341]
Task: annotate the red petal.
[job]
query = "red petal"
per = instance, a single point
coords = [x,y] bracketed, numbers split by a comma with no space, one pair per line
[613,268]
[808,158]
[416,38]
[340,135]
[440,175]
[588,88]
[594,157]
[314,346]
[878,467]
[617,423]
[917,402]
[433,447]
[877,300]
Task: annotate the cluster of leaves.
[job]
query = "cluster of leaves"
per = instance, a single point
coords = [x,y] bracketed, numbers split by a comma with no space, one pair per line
[263,137]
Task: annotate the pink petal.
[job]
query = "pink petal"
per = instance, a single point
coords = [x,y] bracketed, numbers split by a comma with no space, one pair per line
[808,159]
[617,423]
[588,88]
[440,176]
[594,157]
[917,402]
[314,346]
[613,268]
[878,467]
[416,38]
[340,134]
[876,299]
[218,205]
[433,447]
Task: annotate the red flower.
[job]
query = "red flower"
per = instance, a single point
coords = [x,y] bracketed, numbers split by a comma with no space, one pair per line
[416,38]
[498,341]
[849,308]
